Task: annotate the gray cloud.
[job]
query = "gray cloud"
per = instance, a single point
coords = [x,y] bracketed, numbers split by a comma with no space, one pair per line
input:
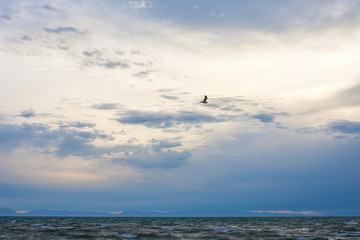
[344,126]
[159,145]
[169,97]
[5,17]
[115,64]
[106,106]
[79,145]
[26,38]
[76,139]
[92,53]
[49,7]
[13,136]
[77,124]
[28,113]
[41,135]
[267,117]
[142,74]
[232,104]
[59,30]
[166,120]
[264,117]
[142,64]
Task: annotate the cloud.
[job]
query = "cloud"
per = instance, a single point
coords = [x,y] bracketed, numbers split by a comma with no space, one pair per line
[233,104]
[143,73]
[264,117]
[220,15]
[92,53]
[106,106]
[115,64]
[169,97]
[77,124]
[344,126]
[267,117]
[77,139]
[156,154]
[166,120]
[140,4]
[44,136]
[13,136]
[26,38]
[60,30]
[50,7]
[349,96]
[5,17]
[107,58]
[159,145]
[28,113]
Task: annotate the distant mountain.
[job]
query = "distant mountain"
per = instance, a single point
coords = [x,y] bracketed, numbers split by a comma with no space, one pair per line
[7,212]
[67,213]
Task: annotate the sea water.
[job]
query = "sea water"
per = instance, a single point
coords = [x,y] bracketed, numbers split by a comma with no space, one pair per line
[297,228]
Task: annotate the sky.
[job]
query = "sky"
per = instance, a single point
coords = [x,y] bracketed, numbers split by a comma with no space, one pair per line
[100,106]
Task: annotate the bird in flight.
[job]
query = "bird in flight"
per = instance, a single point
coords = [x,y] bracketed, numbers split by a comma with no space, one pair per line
[205,98]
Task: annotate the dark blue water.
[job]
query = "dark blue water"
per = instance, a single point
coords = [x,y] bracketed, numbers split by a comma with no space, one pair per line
[299,228]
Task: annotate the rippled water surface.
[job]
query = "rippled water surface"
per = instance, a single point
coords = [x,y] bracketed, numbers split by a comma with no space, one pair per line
[300,228]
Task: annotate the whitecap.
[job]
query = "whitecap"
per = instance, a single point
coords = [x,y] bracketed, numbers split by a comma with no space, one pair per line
[48,227]
[318,224]
[106,225]
[220,229]
[166,228]
[347,234]
[66,228]
[351,223]
[126,236]
[55,228]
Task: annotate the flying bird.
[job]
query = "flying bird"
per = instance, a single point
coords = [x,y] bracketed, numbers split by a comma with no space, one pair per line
[205,98]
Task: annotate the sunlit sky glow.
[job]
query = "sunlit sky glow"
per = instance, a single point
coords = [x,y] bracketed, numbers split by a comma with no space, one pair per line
[100,106]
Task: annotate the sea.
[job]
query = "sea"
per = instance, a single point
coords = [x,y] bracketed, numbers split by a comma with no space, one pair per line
[297,228]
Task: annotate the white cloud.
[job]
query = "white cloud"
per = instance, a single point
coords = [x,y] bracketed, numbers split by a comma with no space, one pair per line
[220,15]
[140,4]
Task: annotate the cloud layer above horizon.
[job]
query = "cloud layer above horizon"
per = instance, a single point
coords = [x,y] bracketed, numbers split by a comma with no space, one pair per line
[104,98]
